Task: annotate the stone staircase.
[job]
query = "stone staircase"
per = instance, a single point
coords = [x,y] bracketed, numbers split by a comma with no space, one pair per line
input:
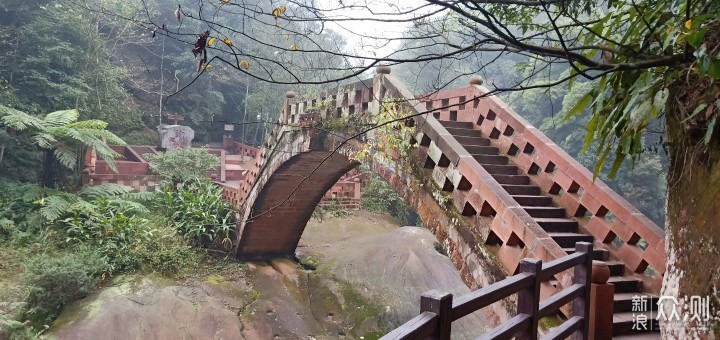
[562,228]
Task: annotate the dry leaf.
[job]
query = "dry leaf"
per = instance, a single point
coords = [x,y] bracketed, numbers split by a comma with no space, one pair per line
[211,41]
[244,64]
[227,42]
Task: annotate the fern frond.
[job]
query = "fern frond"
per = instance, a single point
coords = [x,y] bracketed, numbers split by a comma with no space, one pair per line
[93,124]
[66,157]
[54,206]
[83,206]
[61,118]
[105,190]
[44,140]
[127,205]
[19,120]
[144,196]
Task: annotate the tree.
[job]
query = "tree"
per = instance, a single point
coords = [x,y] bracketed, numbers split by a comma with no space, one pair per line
[62,138]
[646,60]
[183,164]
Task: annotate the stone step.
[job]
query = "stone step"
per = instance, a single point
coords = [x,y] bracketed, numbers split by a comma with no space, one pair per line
[512,179]
[458,125]
[482,150]
[553,225]
[624,302]
[473,141]
[233,167]
[568,240]
[623,323]
[533,201]
[626,284]
[617,268]
[501,169]
[464,132]
[491,159]
[545,211]
[513,189]
[599,254]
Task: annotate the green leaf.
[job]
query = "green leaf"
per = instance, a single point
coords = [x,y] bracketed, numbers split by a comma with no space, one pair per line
[696,38]
[695,112]
[619,158]
[709,66]
[710,129]
[659,101]
[579,107]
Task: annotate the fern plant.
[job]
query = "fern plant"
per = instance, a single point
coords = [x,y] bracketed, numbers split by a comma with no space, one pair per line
[62,137]
[106,218]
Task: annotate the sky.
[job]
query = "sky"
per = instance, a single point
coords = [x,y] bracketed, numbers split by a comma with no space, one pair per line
[354,30]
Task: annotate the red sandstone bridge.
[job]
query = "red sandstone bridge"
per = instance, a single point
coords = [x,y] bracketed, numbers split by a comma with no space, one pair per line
[491,187]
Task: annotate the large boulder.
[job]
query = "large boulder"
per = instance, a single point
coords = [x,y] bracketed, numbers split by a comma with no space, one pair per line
[175,136]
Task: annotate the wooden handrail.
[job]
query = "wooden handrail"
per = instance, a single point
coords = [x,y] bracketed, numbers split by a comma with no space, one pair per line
[438,310]
[485,296]
[419,327]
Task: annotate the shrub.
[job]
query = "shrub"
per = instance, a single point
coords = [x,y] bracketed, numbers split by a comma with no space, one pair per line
[166,253]
[197,211]
[183,164]
[378,196]
[55,281]
[329,210]
[109,230]
[18,210]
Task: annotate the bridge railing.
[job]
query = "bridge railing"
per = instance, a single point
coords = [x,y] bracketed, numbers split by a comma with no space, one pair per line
[478,196]
[438,310]
[629,234]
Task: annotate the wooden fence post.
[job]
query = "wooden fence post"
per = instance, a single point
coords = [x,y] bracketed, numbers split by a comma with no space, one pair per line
[529,298]
[439,303]
[581,304]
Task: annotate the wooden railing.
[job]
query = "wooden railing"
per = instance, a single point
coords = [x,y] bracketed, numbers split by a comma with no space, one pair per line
[438,310]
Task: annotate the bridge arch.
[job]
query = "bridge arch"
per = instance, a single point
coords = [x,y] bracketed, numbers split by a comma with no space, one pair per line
[287,201]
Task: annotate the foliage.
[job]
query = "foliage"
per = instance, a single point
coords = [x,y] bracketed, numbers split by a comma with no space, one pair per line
[378,196]
[55,281]
[104,218]
[197,211]
[56,58]
[643,183]
[18,208]
[183,164]
[391,141]
[17,330]
[62,136]
[164,252]
[323,211]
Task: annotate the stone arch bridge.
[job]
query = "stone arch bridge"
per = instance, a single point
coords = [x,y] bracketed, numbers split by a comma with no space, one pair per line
[491,187]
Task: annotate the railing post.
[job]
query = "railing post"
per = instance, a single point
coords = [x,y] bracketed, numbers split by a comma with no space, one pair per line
[529,298]
[439,303]
[581,304]
[601,303]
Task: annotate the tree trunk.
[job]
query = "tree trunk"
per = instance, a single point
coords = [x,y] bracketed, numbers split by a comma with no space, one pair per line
[693,217]
[52,174]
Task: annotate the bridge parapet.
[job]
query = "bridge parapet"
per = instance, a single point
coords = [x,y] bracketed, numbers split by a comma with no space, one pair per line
[478,196]
[626,232]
